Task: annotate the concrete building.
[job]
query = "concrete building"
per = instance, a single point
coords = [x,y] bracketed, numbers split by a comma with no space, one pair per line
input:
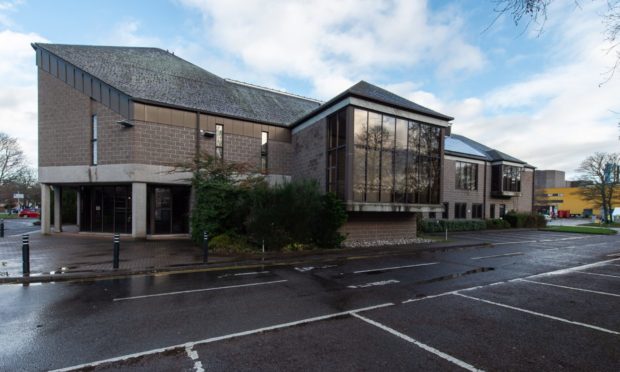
[115,121]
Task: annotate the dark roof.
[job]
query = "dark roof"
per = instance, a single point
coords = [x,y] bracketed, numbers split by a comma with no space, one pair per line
[153,74]
[491,154]
[373,93]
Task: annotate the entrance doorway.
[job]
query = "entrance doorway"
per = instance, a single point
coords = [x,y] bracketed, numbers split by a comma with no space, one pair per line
[106,209]
[168,211]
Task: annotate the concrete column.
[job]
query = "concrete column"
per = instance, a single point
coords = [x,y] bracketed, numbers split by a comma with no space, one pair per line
[57,208]
[45,209]
[138,210]
[78,204]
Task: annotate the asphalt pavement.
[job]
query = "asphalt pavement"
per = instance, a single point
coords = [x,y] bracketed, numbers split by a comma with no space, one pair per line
[533,300]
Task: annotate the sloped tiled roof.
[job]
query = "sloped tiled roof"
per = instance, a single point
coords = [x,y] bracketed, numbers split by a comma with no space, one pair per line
[153,74]
[374,93]
[490,154]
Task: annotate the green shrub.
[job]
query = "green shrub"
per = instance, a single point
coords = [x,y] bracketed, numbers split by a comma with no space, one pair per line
[226,243]
[525,220]
[497,223]
[430,226]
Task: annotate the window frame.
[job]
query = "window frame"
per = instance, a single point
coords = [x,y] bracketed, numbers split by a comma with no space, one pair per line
[94,139]
[465,175]
[219,141]
[460,211]
[477,211]
[264,151]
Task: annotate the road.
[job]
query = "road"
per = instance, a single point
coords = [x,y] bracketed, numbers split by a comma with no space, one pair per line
[19,226]
[535,300]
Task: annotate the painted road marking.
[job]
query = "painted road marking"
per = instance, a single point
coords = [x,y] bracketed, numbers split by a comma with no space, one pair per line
[224,337]
[613,255]
[244,274]
[374,284]
[567,287]
[193,355]
[394,268]
[198,290]
[522,242]
[419,344]
[499,255]
[576,268]
[606,275]
[303,269]
[540,314]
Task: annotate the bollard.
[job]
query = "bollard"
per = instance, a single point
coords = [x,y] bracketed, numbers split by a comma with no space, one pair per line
[25,255]
[117,247]
[1,228]
[205,247]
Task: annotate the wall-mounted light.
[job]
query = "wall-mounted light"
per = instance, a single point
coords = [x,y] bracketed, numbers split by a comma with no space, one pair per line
[125,123]
[207,134]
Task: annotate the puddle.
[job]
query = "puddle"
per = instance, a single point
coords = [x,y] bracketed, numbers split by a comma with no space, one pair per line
[456,275]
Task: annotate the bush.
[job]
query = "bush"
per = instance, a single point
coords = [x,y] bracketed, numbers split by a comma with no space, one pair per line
[227,243]
[497,223]
[527,220]
[430,226]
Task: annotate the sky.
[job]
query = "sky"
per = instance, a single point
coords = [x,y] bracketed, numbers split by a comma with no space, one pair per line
[539,93]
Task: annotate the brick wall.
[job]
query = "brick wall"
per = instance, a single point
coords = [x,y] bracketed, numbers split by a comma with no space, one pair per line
[64,123]
[309,149]
[379,226]
[453,195]
[162,144]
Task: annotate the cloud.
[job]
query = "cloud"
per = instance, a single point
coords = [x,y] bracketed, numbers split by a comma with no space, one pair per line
[18,97]
[7,7]
[337,41]
[126,33]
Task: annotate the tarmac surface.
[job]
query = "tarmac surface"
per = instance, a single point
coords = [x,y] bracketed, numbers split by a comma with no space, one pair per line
[532,300]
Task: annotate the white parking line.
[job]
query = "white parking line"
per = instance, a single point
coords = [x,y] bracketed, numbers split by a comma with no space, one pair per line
[394,268]
[540,314]
[221,338]
[198,290]
[499,255]
[374,284]
[419,344]
[606,275]
[576,268]
[567,287]
[521,241]
[193,355]
[244,274]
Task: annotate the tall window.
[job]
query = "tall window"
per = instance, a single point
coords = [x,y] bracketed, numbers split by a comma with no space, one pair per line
[336,152]
[506,178]
[492,210]
[219,141]
[446,211]
[264,139]
[395,160]
[502,210]
[476,211]
[93,139]
[460,210]
[466,176]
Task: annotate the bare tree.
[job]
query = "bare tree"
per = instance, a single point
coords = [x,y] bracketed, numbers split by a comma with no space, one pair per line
[602,172]
[535,11]
[12,161]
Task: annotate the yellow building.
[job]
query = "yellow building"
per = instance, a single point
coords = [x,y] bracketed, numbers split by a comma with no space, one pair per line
[566,199]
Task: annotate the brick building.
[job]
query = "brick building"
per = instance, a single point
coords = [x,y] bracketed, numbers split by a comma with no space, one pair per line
[114,121]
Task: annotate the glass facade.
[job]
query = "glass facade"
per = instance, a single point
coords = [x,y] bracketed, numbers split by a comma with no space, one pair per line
[336,152]
[168,209]
[395,160]
[106,209]
[506,178]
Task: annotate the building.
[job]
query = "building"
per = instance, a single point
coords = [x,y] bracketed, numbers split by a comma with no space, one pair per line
[481,182]
[114,122]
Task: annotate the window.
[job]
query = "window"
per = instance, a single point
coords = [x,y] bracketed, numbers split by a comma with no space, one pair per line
[93,139]
[432,215]
[492,211]
[446,211]
[506,178]
[336,152]
[466,176]
[476,211]
[395,160]
[264,139]
[219,141]
[460,210]
[502,210]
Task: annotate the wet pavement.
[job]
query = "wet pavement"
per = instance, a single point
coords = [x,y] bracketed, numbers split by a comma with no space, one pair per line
[534,300]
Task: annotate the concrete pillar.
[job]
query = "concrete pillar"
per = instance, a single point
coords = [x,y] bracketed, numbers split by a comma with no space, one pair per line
[138,210]
[57,209]
[78,204]
[45,209]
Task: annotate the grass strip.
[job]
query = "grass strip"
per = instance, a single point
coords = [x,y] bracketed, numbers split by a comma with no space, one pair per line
[581,230]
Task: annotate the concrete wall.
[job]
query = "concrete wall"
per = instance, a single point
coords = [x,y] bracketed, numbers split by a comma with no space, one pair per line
[379,227]
[544,179]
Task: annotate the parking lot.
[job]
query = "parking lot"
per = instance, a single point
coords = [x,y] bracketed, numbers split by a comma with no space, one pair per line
[546,302]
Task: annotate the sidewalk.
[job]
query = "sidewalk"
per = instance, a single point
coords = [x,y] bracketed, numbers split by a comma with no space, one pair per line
[70,256]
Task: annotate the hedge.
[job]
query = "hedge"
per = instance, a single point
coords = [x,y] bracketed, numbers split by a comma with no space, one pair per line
[431,226]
